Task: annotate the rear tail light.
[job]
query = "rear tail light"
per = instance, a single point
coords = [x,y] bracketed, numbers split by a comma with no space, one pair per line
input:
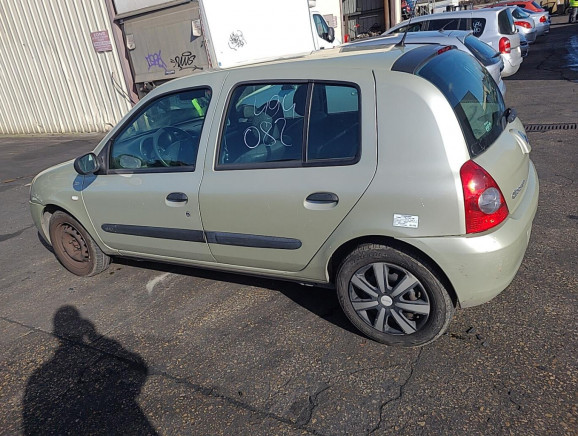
[504,45]
[523,24]
[484,203]
[543,19]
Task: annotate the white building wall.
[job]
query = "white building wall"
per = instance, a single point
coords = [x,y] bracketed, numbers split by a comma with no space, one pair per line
[51,78]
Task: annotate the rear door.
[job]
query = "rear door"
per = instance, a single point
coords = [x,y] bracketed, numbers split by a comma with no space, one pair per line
[292,159]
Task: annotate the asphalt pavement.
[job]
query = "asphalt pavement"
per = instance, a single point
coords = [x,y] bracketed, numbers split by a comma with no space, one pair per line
[147,348]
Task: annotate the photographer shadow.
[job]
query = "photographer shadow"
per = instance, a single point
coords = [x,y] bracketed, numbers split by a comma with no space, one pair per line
[89,386]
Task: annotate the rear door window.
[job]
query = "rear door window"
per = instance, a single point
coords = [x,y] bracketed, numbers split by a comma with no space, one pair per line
[412,27]
[291,124]
[445,24]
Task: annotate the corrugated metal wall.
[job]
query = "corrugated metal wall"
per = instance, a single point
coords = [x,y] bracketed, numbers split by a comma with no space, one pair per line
[51,78]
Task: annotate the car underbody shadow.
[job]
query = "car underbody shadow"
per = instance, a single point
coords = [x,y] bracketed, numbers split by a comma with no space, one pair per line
[316,299]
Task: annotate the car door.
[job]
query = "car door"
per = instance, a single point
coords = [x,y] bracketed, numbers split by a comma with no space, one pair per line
[292,158]
[145,200]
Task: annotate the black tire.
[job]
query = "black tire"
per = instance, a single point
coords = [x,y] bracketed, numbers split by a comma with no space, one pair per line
[74,248]
[392,297]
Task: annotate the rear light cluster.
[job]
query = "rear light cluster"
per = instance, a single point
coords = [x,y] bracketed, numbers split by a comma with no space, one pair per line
[504,45]
[524,24]
[484,203]
[543,19]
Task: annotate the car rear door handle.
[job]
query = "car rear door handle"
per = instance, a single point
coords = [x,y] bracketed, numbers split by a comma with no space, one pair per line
[323,198]
[177,197]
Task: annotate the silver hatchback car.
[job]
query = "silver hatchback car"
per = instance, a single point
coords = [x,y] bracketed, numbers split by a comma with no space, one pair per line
[461,39]
[494,26]
[398,177]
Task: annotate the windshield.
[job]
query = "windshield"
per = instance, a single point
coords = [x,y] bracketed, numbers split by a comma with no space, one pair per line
[482,51]
[472,93]
[537,6]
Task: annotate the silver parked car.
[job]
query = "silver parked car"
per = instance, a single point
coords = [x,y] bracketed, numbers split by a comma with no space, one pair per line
[525,24]
[463,40]
[541,21]
[398,177]
[494,26]
[524,46]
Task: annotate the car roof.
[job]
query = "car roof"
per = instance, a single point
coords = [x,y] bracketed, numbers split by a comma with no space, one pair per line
[441,15]
[426,37]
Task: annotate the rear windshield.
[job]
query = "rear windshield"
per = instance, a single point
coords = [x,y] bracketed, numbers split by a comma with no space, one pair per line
[472,93]
[482,51]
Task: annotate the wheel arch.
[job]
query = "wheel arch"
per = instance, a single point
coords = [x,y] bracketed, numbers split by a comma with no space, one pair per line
[47,213]
[346,248]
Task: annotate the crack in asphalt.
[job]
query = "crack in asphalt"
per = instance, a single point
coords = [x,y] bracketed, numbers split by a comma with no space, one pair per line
[313,403]
[197,388]
[212,393]
[401,391]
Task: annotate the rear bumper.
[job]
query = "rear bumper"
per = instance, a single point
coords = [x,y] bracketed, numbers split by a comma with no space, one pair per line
[480,267]
[530,35]
[512,62]
[543,29]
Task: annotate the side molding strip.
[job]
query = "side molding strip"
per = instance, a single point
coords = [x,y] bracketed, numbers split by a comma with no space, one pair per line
[256,241]
[156,232]
[221,238]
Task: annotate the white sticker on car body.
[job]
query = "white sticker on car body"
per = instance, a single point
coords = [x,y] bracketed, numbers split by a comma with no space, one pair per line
[410,221]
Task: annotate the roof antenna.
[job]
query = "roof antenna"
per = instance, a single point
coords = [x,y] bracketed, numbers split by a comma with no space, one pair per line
[402,42]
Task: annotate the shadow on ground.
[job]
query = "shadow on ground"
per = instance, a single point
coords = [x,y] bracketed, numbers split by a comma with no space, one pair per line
[90,384]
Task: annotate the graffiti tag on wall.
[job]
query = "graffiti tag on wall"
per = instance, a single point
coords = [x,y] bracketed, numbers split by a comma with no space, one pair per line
[236,40]
[156,60]
[185,60]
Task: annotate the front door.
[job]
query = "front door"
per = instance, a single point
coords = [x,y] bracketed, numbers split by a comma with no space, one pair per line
[145,200]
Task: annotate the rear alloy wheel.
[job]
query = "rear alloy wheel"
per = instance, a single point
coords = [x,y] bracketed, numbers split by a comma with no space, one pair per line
[74,247]
[392,297]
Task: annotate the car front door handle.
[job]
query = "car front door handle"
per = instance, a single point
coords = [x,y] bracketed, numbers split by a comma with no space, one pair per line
[323,198]
[177,197]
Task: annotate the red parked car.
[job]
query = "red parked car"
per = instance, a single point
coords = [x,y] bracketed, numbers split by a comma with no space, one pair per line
[524,4]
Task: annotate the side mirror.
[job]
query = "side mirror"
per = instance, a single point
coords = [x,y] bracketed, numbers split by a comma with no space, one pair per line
[86,164]
[330,35]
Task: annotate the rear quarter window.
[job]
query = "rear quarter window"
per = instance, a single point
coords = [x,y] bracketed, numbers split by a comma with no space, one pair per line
[478,26]
[506,24]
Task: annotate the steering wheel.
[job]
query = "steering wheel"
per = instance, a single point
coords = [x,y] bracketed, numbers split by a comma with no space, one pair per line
[167,144]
